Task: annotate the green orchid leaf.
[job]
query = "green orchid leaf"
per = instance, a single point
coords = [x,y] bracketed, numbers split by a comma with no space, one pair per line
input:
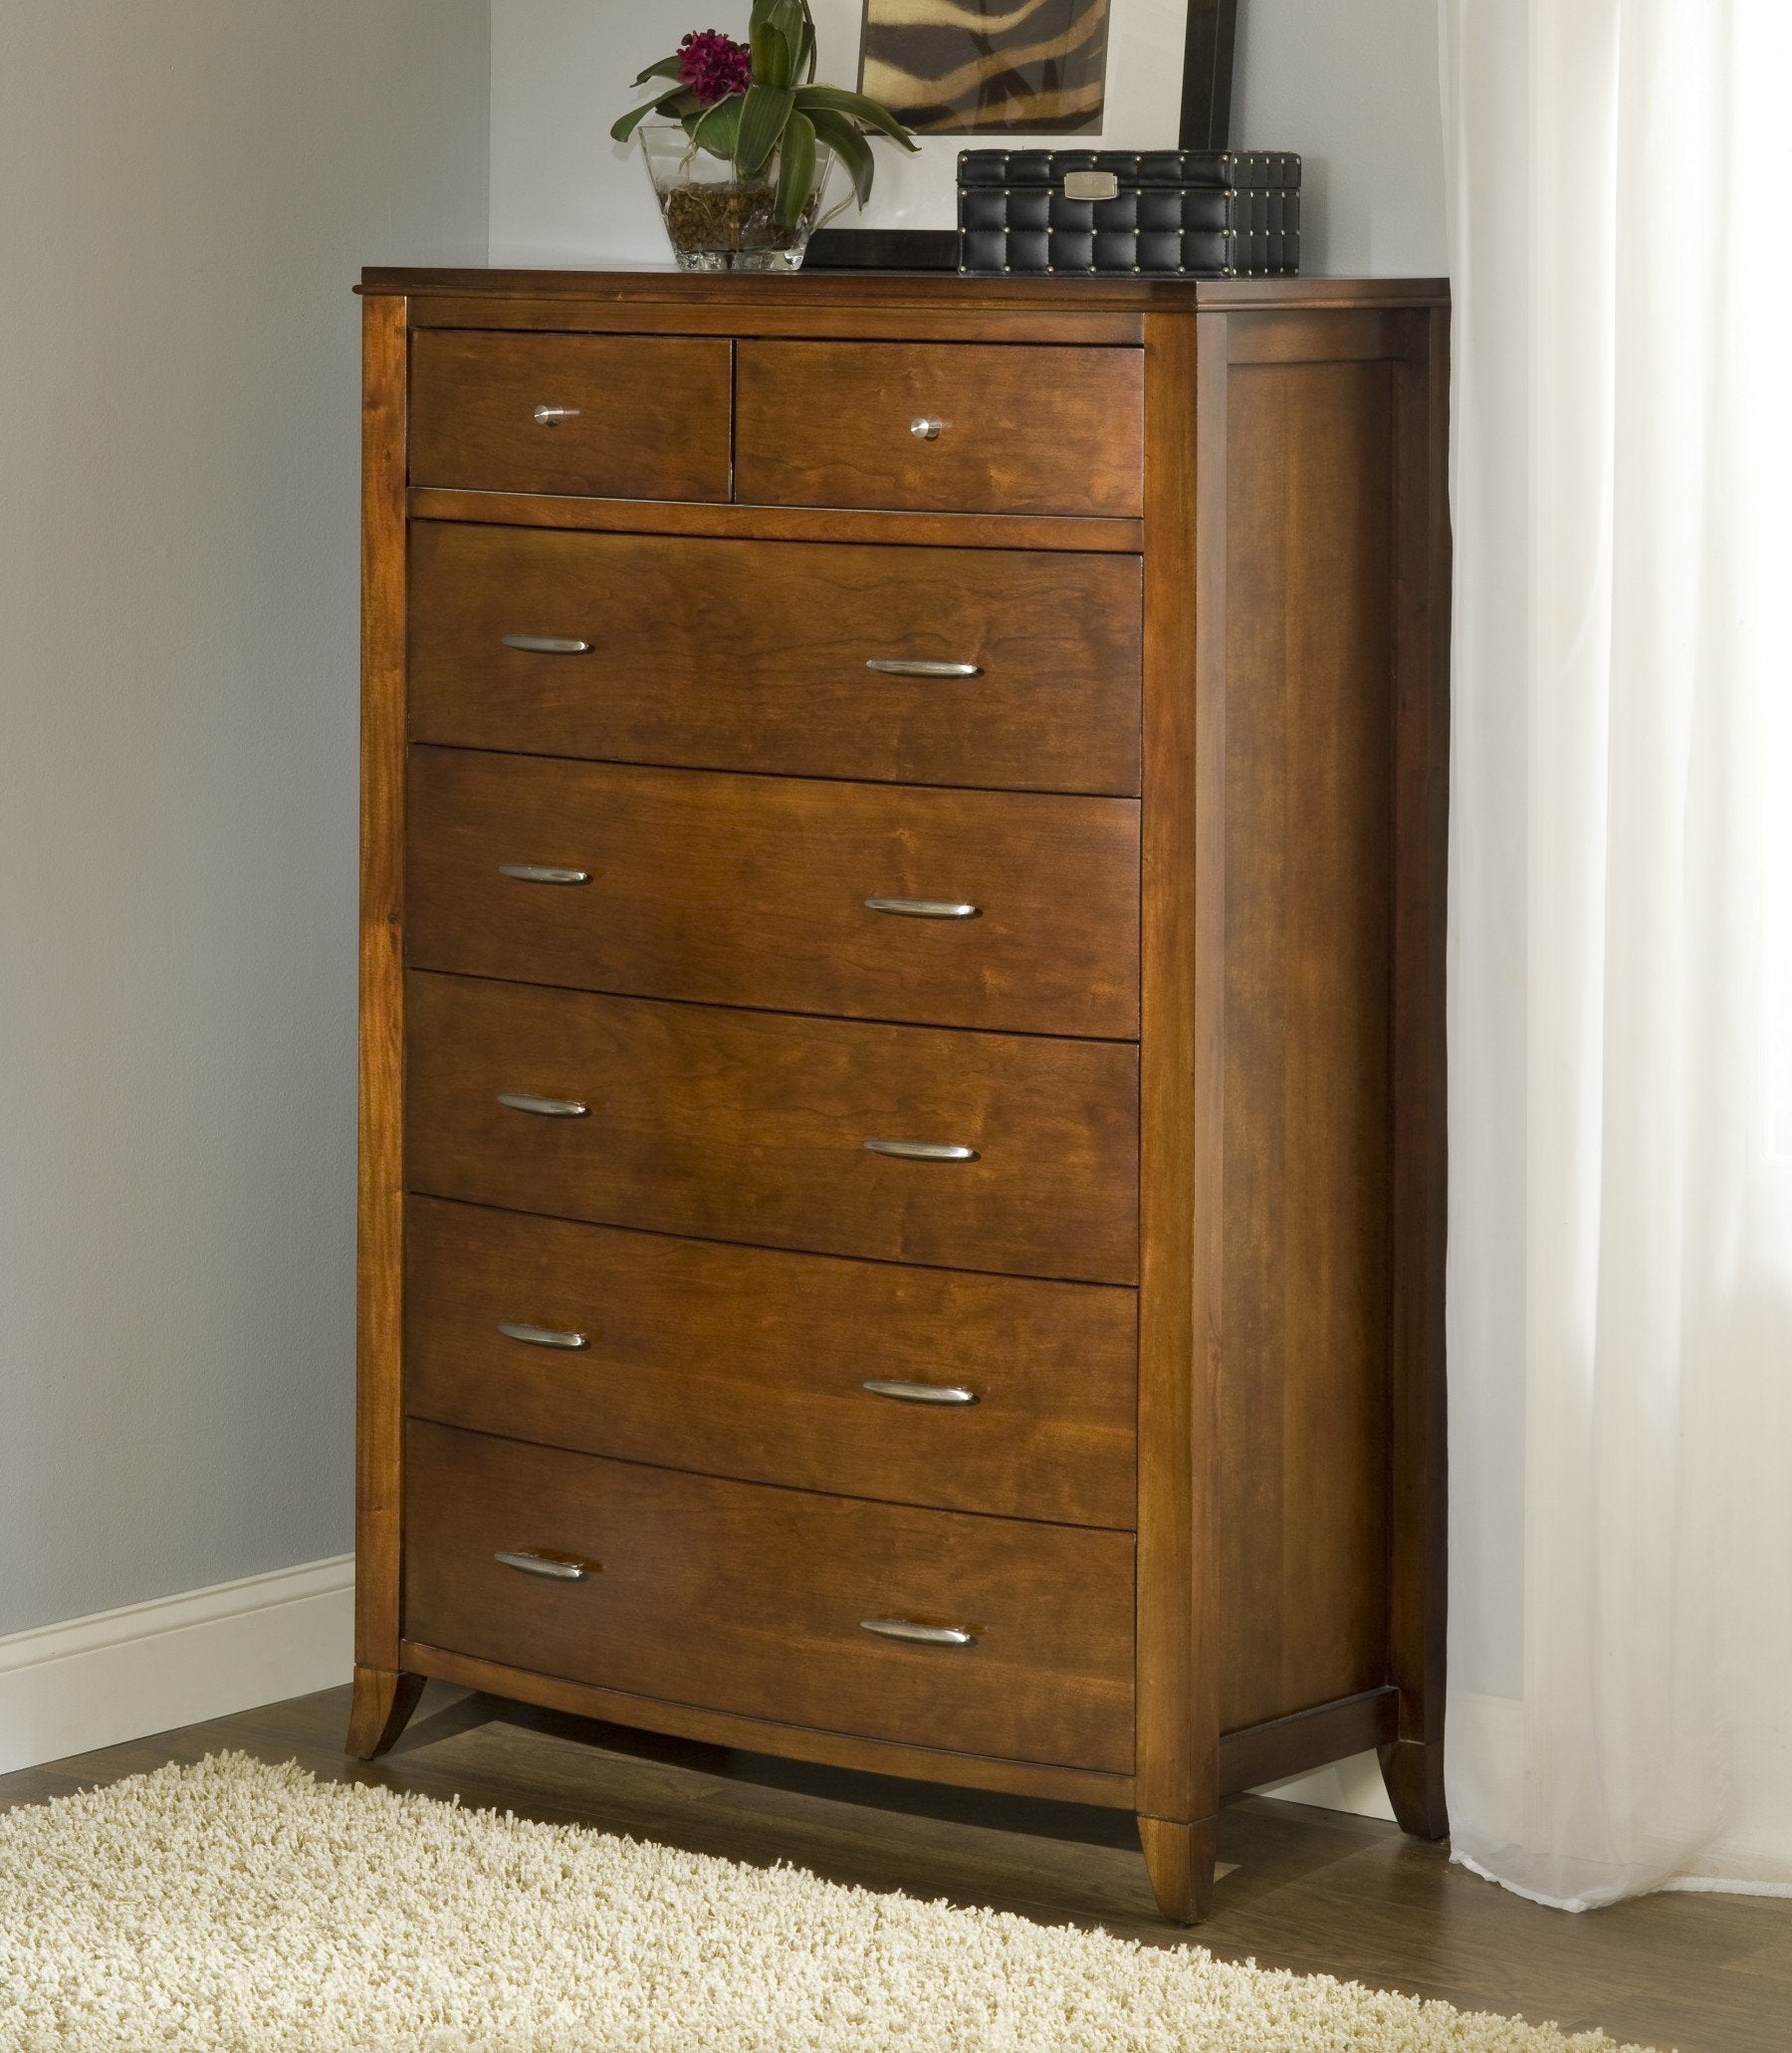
[774,61]
[675,104]
[849,145]
[667,67]
[763,116]
[793,21]
[857,106]
[788,18]
[796,169]
[718,127]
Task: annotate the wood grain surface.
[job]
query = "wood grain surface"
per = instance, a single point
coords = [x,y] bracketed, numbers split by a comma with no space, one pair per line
[751,1600]
[749,1126]
[1419,1451]
[1192,543]
[1181,1205]
[752,1363]
[1020,430]
[379,1269]
[647,418]
[1309,886]
[729,654]
[862,303]
[754,890]
[871,526]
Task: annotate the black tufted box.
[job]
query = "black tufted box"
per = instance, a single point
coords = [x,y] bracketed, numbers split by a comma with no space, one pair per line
[1196,213]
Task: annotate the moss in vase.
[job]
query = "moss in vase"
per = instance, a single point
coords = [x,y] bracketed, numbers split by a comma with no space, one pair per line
[724,217]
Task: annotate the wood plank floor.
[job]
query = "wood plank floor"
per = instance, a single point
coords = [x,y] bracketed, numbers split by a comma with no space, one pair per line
[1312,1890]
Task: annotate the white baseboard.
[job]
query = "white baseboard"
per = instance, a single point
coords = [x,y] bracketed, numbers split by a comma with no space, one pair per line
[122,1675]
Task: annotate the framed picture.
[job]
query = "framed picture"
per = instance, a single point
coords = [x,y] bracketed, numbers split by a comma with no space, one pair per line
[989,67]
[1026,73]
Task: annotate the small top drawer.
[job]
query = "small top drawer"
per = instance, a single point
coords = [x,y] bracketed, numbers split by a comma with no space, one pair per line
[598,416]
[940,426]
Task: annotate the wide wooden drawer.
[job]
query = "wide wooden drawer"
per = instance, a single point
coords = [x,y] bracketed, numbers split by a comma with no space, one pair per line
[603,417]
[866,1379]
[751,1126]
[760,655]
[752,1600]
[869,901]
[966,427]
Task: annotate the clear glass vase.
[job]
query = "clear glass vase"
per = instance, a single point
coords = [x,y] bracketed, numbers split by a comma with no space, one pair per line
[716,220]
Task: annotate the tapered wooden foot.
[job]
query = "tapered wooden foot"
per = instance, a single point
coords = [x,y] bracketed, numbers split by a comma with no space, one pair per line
[1412,1769]
[383,1702]
[1180,1861]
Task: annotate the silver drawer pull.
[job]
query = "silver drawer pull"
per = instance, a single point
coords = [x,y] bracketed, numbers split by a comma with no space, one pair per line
[551,1566]
[922,1393]
[541,874]
[541,1337]
[925,430]
[542,1108]
[921,1635]
[914,666]
[548,644]
[920,1151]
[552,416]
[924,908]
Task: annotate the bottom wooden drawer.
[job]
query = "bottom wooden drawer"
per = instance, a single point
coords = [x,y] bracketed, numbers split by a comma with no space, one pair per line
[751,1599]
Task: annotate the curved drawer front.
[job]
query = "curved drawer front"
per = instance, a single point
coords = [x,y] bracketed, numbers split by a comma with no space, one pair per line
[751,1126]
[751,1600]
[964,427]
[604,416]
[757,655]
[869,901]
[992,1393]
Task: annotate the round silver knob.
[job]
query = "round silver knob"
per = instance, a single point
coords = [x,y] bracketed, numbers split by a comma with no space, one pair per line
[925,430]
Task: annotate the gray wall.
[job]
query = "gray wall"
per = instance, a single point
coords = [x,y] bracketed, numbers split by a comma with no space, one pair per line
[1351,84]
[186,193]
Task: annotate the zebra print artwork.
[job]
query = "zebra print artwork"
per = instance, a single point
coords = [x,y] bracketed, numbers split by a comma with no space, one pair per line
[982,67]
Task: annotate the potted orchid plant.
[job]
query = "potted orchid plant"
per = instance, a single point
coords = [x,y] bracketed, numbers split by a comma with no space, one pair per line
[746,138]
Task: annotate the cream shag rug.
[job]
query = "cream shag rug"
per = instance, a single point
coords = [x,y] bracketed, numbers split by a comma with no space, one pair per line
[238,1906]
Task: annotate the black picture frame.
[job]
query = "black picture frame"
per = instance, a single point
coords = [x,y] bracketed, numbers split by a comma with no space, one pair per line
[1208,54]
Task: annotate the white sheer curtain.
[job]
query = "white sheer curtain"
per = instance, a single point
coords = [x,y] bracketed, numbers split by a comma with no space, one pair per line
[1620,1269]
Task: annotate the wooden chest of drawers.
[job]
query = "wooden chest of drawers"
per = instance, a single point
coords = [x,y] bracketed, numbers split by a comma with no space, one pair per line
[902,1038]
